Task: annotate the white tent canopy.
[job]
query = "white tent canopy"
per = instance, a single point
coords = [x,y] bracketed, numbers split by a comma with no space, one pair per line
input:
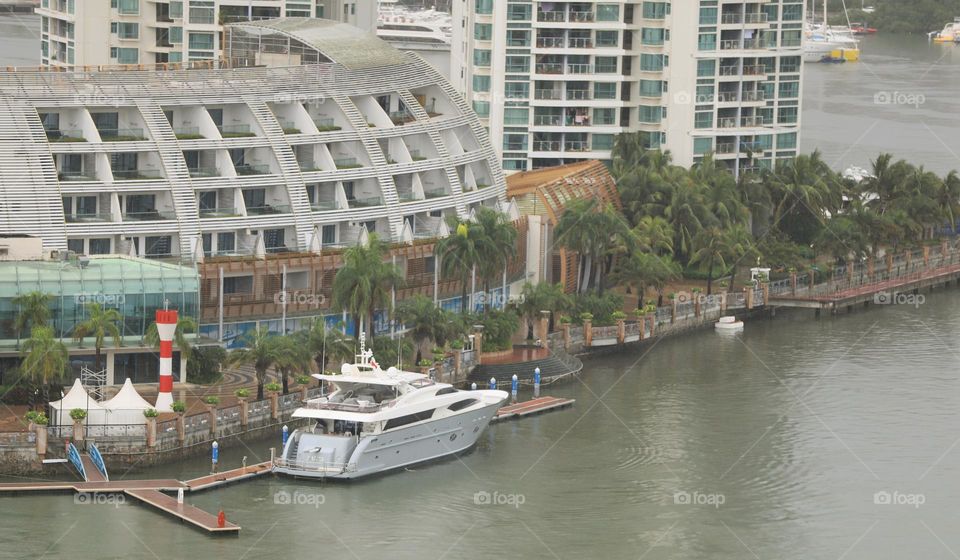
[77,397]
[127,406]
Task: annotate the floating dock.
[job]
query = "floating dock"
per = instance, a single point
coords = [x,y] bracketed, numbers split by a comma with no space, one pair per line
[195,516]
[534,406]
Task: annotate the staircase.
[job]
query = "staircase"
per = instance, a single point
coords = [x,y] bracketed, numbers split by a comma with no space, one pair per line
[30,200]
[294,448]
[293,179]
[178,175]
[554,366]
[388,188]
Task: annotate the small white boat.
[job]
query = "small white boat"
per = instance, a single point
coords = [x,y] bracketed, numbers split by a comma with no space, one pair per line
[728,323]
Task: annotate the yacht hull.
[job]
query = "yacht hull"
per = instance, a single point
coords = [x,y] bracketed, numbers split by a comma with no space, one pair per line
[402,447]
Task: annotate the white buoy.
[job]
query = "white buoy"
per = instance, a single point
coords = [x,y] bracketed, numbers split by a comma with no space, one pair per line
[179,495]
[536,382]
[493,382]
[473,386]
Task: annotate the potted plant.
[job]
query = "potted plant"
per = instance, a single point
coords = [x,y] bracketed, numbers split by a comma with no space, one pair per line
[41,419]
[565,320]
[303,381]
[242,393]
[151,416]
[151,413]
[78,415]
[618,315]
[31,418]
[586,317]
[273,387]
[179,407]
[211,400]
[273,391]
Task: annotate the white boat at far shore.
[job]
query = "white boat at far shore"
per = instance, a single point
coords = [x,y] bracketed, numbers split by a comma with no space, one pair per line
[728,323]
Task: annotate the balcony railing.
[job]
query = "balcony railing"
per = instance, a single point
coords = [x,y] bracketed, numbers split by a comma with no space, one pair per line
[580,43]
[136,174]
[550,94]
[88,218]
[252,169]
[754,96]
[726,148]
[547,120]
[326,125]
[731,18]
[730,44]
[365,202]
[789,68]
[225,212]
[324,205]
[581,17]
[268,209]
[576,146]
[235,131]
[549,68]
[727,122]
[545,146]
[197,172]
[309,166]
[148,216]
[347,163]
[75,176]
[121,134]
[578,94]
[760,17]
[726,97]
[64,135]
[188,133]
[435,193]
[289,127]
[752,121]
[580,68]
[755,70]
[555,16]
[551,42]
[406,196]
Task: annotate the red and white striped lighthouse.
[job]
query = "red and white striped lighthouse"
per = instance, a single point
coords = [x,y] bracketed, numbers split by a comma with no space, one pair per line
[166,326]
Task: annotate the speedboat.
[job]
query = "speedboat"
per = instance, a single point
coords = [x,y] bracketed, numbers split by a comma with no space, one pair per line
[376,421]
[728,323]
[862,29]
[949,34]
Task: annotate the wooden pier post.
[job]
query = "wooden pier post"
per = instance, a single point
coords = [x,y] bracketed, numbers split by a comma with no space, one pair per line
[212,411]
[926,255]
[588,332]
[793,283]
[545,328]
[274,405]
[151,432]
[765,290]
[621,331]
[244,413]
[41,431]
[565,327]
[889,259]
[181,429]
[748,297]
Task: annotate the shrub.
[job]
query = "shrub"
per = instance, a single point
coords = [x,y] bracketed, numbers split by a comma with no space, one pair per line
[456,344]
[179,407]
[41,419]
[565,320]
[425,363]
[212,400]
[302,379]
[78,414]
[600,307]
[242,392]
[203,368]
[31,416]
[273,387]
[151,413]
[498,329]
[618,315]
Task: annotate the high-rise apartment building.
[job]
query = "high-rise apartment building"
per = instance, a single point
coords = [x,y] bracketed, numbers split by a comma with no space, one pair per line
[556,81]
[78,33]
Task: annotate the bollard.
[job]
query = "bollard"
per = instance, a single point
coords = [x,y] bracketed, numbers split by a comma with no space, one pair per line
[221,519]
[536,383]
[493,382]
[214,454]
[286,434]
[514,386]
[473,386]
[179,495]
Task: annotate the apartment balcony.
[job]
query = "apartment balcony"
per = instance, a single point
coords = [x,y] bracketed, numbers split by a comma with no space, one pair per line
[580,69]
[76,176]
[268,209]
[725,148]
[289,127]
[399,118]
[200,172]
[188,133]
[84,218]
[552,16]
[754,96]
[551,42]
[545,146]
[252,169]
[789,68]
[122,135]
[326,125]
[64,135]
[580,43]
[347,163]
[547,120]
[368,202]
[309,166]
[148,216]
[752,18]
[406,196]
[576,146]
[236,131]
[751,121]
[581,17]
[549,68]
[324,205]
[415,155]
[224,212]
[727,122]
[578,95]
[548,94]
[137,175]
[435,193]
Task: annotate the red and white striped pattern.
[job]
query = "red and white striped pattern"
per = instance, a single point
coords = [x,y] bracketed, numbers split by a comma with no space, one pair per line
[166,326]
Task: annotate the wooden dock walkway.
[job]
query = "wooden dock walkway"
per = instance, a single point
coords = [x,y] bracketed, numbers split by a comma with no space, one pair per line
[534,406]
[227,477]
[185,512]
[90,469]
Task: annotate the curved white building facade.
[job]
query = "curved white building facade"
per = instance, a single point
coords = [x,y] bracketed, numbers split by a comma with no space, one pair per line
[311,134]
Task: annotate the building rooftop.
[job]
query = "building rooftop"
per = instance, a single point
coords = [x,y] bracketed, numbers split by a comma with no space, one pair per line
[114,274]
[343,44]
[547,191]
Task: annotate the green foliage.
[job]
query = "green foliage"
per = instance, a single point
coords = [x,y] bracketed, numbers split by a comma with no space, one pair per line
[601,308]
[365,281]
[385,350]
[212,400]
[78,414]
[905,16]
[498,329]
[618,315]
[33,310]
[260,351]
[41,419]
[151,413]
[242,392]
[31,416]
[203,368]
[179,407]
[273,387]
[45,358]
[101,323]
[303,379]
[185,325]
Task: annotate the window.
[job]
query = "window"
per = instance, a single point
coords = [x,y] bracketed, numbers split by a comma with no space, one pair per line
[602,141]
[201,12]
[460,405]
[517,90]
[787,141]
[207,200]
[604,116]
[515,142]
[157,246]
[516,116]
[789,90]
[605,64]
[481,108]
[484,7]
[707,42]
[518,38]
[125,55]
[602,90]
[75,245]
[708,16]
[126,7]
[518,64]
[652,36]
[201,41]
[608,38]
[328,234]
[608,12]
[100,246]
[125,30]
[519,12]
[651,62]
[482,31]
[702,145]
[481,57]
[408,419]
[792,12]
[176,35]
[238,285]
[226,241]
[176,9]
[706,68]
[655,10]
[703,120]
[481,83]
[650,114]
[651,88]
[787,115]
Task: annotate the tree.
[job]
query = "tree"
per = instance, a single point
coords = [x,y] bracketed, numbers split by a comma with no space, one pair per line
[716,248]
[33,311]
[535,298]
[592,231]
[205,366]
[328,344]
[45,358]
[460,254]
[260,351]
[292,356]
[365,282]
[498,244]
[652,234]
[185,325]
[100,324]
[423,320]
[642,270]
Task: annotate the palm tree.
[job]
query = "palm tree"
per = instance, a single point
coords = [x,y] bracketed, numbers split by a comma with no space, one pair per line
[185,325]
[805,180]
[460,254]
[260,351]
[101,323]
[34,311]
[716,247]
[544,296]
[641,270]
[365,281]
[293,357]
[423,320]
[652,234]
[45,358]
[498,244]
[327,344]
[592,232]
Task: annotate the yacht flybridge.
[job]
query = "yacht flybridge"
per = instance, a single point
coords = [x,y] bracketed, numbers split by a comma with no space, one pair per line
[377,420]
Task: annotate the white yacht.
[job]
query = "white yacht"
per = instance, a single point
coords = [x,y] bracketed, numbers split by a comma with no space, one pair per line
[376,421]
[400,24]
